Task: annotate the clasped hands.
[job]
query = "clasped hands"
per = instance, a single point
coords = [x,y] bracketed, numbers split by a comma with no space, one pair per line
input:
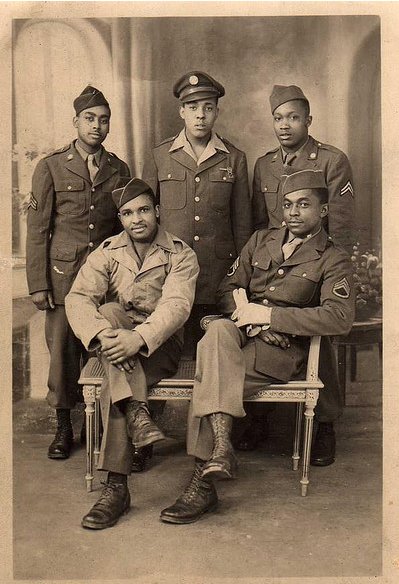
[120,347]
[256,314]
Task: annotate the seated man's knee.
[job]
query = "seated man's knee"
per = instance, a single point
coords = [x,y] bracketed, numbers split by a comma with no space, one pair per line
[219,328]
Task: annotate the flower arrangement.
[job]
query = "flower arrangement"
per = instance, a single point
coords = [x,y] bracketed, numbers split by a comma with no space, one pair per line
[367,266]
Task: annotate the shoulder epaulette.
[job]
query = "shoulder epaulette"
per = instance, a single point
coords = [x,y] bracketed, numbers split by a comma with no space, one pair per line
[228,143]
[323,146]
[58,151]
[167,140]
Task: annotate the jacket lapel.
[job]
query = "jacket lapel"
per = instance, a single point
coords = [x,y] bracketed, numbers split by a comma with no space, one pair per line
[185,159]
[309,251]
[274,245]
[106,170]
[76,164]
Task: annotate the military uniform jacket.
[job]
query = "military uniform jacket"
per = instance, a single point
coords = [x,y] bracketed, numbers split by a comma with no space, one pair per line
[208,206]
[69,216]
[310,293]
[267,198]
[158,295]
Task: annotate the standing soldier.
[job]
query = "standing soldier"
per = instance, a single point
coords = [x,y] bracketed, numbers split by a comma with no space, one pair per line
[71,212]
[201,181]
[298,151]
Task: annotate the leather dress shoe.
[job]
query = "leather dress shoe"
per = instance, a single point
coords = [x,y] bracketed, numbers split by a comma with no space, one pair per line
[199,497]
[140,457]
[323,450]
[252,436]
[140,426]
[61,446]
[112,504]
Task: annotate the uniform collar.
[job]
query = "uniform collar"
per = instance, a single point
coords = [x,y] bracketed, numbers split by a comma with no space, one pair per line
[162,239]
[297,152]
[214,144]
[84,154]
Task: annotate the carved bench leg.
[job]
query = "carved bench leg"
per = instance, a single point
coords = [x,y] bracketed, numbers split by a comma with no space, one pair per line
[97,425]
[311,401]
[89,396]
[297,435]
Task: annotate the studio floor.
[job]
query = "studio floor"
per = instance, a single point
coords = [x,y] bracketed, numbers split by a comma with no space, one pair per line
[262,529]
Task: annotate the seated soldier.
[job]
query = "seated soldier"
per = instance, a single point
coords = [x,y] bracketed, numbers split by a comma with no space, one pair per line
[147,277]
[298,284]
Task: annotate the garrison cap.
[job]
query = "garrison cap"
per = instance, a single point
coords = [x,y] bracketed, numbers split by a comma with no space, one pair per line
[283,93]
[197,85]
[303,179]
[128,189]
[90,97]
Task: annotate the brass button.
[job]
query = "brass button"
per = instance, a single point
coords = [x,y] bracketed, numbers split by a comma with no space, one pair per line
[93,189]
[196,237]
[91,207]
[197,218]
[265,301]
[197,199]
[91,244]
[280,272]
[272,288]
[69,187]
[169,175]
[91,226]
[304,274]
[224,178]
[197,179]
[265,188]
[256,263]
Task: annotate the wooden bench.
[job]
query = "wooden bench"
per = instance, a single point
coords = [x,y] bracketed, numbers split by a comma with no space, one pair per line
[304,393]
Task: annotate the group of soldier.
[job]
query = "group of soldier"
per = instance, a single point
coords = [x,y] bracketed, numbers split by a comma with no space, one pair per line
[193,239]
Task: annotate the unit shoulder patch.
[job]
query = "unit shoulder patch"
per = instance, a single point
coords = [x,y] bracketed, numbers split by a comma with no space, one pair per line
[341,288]
[234,267]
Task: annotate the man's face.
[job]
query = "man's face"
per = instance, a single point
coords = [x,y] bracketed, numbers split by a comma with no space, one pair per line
[92,125]
[291,124]
[139,218]
[199,117]
[303,212]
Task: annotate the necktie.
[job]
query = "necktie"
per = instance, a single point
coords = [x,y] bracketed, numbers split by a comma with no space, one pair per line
[288,159]
[92,166]
[289,247]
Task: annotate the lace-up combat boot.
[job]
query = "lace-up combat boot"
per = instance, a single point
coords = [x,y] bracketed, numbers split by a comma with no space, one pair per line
[198,498]
[140,427]
[223,463]
[114,501]
[62,444]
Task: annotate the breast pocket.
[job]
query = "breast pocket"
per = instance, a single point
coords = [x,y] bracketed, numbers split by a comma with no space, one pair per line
[260,268]
[70,196]
[220,188]
[301,287]
[270,189]
[173,188]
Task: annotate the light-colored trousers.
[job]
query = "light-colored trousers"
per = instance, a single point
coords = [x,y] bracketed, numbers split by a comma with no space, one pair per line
[116,447]
[225,374]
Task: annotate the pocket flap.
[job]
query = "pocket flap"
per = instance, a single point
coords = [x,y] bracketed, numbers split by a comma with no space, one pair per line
[74,184]
[305,274]
[260,262]
[224,175]
[177,173]
[270,185]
